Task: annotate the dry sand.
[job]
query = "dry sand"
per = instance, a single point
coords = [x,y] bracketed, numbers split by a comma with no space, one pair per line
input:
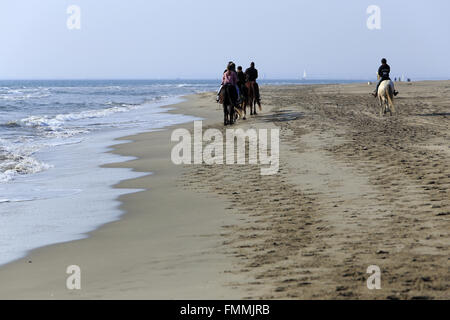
[353,190]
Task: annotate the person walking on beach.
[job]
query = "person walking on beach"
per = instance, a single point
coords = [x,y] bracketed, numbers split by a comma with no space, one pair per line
[383,72]
[252,74]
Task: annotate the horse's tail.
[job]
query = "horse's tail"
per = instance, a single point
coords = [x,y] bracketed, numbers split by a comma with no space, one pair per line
[250,94]
[259,94]
[254,93]
[390,98]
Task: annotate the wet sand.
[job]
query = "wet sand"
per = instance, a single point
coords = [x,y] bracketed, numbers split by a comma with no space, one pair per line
[354,189]
[167,245]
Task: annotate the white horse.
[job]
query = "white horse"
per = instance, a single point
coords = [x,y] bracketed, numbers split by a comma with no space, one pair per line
[386,97]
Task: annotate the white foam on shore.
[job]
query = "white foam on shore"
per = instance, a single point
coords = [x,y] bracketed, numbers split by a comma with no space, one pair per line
[55,122]
[75,196]
[18,160]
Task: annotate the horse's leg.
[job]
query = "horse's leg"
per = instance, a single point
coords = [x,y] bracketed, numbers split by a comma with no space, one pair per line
[383,104]
[230,107]
[380,102]
[237,114]
[391,103]
[231,114]
[226,101]
[224,114]
[390,98]
[254,99]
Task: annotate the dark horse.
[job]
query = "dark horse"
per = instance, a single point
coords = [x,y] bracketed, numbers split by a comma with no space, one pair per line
[251,98]
[229,98]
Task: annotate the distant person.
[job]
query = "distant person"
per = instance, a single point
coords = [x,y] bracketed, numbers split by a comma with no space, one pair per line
[383,72]
[233,69]
[230,63]
[231,66]
[252,74]
[230,78]
[241,81]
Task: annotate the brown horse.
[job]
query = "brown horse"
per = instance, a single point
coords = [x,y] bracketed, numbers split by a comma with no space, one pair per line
[251,98]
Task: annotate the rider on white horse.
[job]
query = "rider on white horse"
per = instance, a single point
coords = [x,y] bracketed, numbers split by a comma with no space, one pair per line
[383,73]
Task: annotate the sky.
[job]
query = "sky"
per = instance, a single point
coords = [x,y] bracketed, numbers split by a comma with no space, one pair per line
[194,39]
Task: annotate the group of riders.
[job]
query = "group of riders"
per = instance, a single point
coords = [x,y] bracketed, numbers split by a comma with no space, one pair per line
[239,82]
[237,86]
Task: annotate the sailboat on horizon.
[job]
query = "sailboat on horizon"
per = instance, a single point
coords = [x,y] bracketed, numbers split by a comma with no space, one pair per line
[304,75]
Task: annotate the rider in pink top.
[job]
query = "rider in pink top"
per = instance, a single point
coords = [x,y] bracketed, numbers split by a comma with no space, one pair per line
[230,77]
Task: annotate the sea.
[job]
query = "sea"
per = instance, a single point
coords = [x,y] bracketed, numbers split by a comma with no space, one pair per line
[54,137]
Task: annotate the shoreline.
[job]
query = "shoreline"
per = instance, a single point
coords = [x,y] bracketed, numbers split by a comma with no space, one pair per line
[201,243]
[74,196]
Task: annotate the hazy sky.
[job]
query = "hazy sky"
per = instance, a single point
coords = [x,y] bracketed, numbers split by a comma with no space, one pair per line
[196,38]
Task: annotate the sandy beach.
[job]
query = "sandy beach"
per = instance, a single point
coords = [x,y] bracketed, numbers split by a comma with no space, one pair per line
[354,189]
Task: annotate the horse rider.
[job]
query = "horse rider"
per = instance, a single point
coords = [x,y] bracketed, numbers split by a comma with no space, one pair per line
[230,78]
[252,75]
[241,81]
[232,68]
[383,73]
